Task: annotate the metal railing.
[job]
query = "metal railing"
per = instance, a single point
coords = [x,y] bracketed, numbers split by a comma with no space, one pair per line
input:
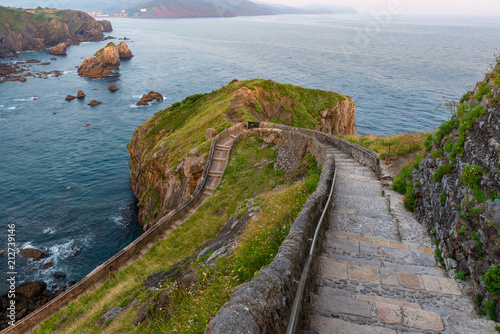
[296,308]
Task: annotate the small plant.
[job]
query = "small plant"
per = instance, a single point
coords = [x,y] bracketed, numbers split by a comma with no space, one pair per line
[459,275]
[450,256]
[479,244]
[490,308]
[431,232]
[441,171]
[437,154]
[492,280]
[439,254]
[436,241]
[497,328]
[443,197]
[479,299]
[462,229]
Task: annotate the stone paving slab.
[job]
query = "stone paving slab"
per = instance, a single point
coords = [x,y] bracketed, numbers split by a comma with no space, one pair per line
[343,305]
[324,325]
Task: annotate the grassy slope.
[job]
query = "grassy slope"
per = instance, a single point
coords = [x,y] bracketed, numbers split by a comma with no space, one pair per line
[190,311]
[182,127]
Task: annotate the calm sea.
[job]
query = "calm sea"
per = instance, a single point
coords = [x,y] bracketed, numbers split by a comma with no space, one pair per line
[66,186]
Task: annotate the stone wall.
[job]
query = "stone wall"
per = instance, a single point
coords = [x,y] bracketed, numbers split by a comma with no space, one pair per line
[263,305]
[364,156]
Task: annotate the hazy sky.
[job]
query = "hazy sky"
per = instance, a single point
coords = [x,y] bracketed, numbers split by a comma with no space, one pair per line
[453,7]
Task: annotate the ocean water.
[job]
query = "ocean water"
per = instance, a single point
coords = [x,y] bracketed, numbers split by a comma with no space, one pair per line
[66,186]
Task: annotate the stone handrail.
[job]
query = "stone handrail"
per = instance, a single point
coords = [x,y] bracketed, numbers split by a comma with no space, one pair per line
[119,260]
[363,155]
[263,304]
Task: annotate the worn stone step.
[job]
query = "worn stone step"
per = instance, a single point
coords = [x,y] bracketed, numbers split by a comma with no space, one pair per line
[215,174]
[380,253]
[378,205]
[402,315]
[329,325]
[219,159]
[364,223]
[335,270]
[222,147]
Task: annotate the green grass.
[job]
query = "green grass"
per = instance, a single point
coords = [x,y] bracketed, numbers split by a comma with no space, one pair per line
[403,183]
[191,310]
[401,145]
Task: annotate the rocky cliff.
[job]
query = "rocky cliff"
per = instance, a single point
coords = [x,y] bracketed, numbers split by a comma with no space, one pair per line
[24,31]
[104,61]
[168,152]
[457,190]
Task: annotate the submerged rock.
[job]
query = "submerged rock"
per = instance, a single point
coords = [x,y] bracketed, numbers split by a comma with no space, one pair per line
[146,98]
[33,254]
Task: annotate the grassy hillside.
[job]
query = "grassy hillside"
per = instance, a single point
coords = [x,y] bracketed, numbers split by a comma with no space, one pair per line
[248,186]
[160,148]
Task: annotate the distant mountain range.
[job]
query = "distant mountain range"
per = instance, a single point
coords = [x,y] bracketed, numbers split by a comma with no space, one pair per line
[186,8]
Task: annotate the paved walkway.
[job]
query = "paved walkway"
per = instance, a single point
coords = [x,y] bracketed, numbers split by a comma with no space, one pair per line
[377,272]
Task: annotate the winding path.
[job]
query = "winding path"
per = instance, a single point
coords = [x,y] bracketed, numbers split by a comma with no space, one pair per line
[377,272]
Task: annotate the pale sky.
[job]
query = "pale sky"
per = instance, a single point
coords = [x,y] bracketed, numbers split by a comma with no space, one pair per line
[450,7]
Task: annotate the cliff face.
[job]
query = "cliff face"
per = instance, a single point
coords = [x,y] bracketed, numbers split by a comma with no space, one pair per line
[457,185]
[168,152]
[23,31]
[104,61]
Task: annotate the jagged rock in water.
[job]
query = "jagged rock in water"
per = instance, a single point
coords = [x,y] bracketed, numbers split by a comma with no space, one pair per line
[33,254]
[146,98]
[80,94]
[113,88]
[70,97]
[59,49]
[94,102]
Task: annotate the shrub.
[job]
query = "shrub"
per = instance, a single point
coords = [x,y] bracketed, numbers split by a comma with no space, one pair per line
[492,280]
[471,175]
[459,275]
[428,143]
[484,89]
[441,171]
[443,197]
[462,229]
[437,154]
[448,145]
[439,254]
[479,244]
[479,299]
[490,308]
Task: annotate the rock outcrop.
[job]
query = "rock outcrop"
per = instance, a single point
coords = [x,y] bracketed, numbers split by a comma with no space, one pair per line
[70,97]
[457,187]
[59,49]
[106,25]
[123,51]
[146,98]
[80,95]
[113,88]
[340,119]
[104,61]
[23,31]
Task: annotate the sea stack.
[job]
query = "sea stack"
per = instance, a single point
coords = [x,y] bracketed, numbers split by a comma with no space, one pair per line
[104,61]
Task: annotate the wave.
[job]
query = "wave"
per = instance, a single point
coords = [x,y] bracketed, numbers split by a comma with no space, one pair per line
[49,230]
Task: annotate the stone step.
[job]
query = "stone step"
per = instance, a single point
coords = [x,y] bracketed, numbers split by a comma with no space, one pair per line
[377,312]
[364,223]
[219,159]
[222,148]
[380,253]
[232,136]
[333,270]
[329,325]
[215,174]
[377,205]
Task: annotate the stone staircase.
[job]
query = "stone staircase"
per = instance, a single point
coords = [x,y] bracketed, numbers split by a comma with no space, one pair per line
[377,272]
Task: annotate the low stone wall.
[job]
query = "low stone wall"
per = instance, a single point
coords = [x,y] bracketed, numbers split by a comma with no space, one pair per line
[263,305]
[362,155]
[120,260]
